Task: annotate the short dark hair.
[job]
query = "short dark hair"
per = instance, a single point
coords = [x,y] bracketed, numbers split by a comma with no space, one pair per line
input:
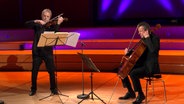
[145,25]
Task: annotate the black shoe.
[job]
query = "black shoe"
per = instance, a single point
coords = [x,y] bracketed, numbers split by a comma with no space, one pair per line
[32,93]
[1,102]
[139,99]
[127,96]
[54,92]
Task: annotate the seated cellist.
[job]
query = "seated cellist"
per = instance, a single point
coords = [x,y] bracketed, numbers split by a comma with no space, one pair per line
[146,65]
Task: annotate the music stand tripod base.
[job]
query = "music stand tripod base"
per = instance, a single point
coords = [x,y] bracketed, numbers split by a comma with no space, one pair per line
[93,67]
[83,96]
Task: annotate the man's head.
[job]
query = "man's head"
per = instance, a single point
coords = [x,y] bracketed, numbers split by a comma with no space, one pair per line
[143,29]
[46,15]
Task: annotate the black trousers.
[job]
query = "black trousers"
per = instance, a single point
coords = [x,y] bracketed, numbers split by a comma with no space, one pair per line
[49,62]
[135,75]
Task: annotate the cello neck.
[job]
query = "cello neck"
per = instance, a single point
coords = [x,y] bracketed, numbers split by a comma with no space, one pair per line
[132,38]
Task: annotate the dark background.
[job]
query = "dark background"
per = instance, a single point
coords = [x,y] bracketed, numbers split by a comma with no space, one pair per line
[14,13]
[87,13]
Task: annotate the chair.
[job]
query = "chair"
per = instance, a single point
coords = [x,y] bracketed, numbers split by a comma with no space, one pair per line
[151,80]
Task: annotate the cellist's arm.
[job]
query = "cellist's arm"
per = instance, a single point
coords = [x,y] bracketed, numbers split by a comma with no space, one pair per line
[152,45]
[147,40]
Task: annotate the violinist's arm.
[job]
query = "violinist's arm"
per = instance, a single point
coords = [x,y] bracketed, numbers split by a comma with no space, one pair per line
[30,24]
[56,26]
[33,23]
[41,22]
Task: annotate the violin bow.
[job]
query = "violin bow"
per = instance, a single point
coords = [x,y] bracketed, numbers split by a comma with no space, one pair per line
[132,38]
[56,17]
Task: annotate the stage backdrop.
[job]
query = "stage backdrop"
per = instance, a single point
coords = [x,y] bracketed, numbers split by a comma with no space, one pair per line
[92,13]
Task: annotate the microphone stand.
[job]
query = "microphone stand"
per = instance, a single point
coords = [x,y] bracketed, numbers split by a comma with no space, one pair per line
[82,96]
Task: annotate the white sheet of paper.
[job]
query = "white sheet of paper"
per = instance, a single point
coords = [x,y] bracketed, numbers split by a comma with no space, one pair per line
[72,39]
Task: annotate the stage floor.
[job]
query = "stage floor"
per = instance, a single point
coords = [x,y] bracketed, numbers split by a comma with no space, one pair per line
[14,88]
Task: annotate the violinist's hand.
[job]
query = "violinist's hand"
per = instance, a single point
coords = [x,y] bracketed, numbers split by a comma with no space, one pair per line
[60,20]
[40,22]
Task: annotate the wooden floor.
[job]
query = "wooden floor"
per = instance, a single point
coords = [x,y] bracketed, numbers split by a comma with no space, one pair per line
[14,88]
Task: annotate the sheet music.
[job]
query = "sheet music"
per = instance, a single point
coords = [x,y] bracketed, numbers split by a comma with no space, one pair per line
[62,37]
[50,38]
[48,32]
[72,39]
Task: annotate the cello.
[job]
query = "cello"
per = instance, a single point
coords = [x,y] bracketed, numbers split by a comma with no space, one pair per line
[131,57]
[129,60]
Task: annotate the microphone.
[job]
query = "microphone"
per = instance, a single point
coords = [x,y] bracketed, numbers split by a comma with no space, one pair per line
[82,43]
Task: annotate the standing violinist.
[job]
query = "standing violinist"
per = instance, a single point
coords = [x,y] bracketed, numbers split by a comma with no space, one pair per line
[43,53]
[146,66]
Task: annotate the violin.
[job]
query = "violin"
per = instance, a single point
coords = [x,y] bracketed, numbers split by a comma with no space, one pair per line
[54,21]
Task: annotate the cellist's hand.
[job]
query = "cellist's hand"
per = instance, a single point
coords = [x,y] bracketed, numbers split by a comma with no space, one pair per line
[146,34]
[126,51]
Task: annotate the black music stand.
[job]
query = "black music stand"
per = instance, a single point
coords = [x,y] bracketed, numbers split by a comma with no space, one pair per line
[89,63]
[55,39]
